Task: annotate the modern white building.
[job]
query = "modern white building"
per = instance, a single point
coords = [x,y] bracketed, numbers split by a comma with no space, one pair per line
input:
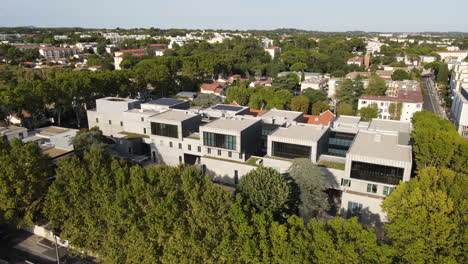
[226,142]
[379,157]
[11,132]
[403,99]
[460,111]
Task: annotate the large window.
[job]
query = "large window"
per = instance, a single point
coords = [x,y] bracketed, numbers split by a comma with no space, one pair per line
[164,130]
[291,151]
[219,140]
[376,173]
[339,143]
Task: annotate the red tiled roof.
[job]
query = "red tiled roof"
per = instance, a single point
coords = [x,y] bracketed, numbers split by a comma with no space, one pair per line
[218,90]
[131,50]
[158,45]
[234,104]
[356,59]
[255,112]
[274,47]
[211,86]
[57,48]
[323,119]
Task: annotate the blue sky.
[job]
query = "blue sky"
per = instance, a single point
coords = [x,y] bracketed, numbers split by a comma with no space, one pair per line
[324,15]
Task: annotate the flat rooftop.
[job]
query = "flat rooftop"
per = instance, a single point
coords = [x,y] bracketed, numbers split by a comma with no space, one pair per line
[143,112]
[390,125]
[10,129]
[174,115]
[300,132]
[233,124]
[380,146]
[118,99]
[166,101]
[288,115]
[348,120]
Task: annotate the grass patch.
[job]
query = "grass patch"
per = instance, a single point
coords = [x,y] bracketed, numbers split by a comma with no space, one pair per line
[332,164]
[130,135]
[252,161]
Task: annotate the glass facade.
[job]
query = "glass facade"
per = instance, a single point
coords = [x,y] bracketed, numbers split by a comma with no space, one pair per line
[376,173]
[219,140]
[164,130]
[339,143]
[290,151]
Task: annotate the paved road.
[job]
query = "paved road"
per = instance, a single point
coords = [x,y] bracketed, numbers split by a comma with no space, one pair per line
[432,102]
[18,246]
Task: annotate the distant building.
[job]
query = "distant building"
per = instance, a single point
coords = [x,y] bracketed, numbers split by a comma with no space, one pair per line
[458,55]
[118,55]
[215,87]
[404,98]
[459,77]
[51,53]
[460,111]
[359,61]
[274,51]
[316,83]
[11,132]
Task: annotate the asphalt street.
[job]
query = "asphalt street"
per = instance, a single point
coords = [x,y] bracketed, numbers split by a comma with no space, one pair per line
[432,102]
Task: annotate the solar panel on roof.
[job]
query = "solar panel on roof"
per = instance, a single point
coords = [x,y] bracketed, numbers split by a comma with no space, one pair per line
[166,101]
[227,107]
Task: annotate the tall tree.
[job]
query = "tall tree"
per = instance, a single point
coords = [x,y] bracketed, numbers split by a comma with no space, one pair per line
[319,107]
[376,86]
[267,191]
[24,176]
[300,103]
[427,217]
[369,112]
[344,109]
[309,187]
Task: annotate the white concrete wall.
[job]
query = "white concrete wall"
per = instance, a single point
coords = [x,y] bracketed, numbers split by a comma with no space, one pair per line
[224,171]
[373,205]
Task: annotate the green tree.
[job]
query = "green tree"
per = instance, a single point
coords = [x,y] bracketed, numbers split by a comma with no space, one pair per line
[299,66]
[85,140]
[24,176]
[400,75]
[376,86]
[319,107]
[267,191]
[442,73]
[367,113]
[426,217]
[205,100]
[344,109]
[436,143]
[300,103]
[314,95]
[280,100]
[287,82]
[309,188]
[346,241]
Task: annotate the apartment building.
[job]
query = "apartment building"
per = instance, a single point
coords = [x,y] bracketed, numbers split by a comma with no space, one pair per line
[227,141]
[403,99]
[459,111]
[359,61]
[459,76]
[447,56]
[52,53]
[274,51]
